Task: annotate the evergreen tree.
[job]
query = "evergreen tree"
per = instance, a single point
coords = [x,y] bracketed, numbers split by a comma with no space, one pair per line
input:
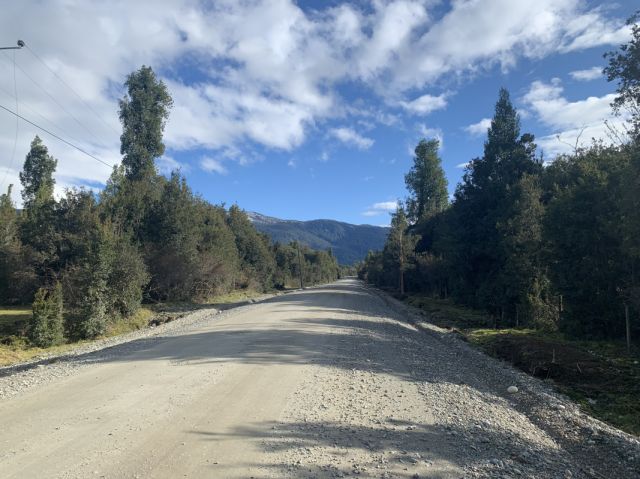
[172,242]
[482,202]
[525,286]
[583,231]
[94,305]
[13,278]
[135,186]
[143,113]
[426,183]
[38,223]
[37,176]
[400,245]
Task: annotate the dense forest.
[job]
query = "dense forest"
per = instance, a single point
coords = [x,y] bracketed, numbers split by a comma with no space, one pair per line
[547,245]
[86,260]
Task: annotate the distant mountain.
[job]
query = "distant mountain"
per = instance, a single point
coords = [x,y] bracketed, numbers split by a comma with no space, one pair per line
[350,243]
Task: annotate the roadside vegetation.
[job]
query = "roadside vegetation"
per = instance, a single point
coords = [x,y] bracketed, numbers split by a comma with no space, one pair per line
[81,266]
[598,374]
[534,261]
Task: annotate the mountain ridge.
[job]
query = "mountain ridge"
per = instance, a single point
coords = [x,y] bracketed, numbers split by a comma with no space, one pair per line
[349,242]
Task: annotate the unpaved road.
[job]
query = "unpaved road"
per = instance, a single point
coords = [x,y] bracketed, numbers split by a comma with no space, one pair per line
[327,382]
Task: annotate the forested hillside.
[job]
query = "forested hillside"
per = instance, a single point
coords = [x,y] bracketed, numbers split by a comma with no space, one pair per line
[87,260]
[350,243]
[547,245]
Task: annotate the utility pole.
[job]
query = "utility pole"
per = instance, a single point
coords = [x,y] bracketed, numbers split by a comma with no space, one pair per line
[20,45]
[300,266]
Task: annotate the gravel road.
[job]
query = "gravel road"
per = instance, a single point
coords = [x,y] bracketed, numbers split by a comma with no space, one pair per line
[333,381]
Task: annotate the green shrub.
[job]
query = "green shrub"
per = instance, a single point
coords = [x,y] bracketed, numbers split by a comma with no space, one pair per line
[47,324]
[94,312]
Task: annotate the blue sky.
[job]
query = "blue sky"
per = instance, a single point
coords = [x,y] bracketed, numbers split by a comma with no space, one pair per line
[306,110]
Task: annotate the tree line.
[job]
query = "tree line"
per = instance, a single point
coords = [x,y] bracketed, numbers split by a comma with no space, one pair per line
[85,260]
[535,244]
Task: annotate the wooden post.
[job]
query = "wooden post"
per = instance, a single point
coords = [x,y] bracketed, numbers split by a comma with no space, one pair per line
[628,327]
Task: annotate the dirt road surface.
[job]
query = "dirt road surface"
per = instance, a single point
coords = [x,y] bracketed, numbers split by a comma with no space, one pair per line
[328,382]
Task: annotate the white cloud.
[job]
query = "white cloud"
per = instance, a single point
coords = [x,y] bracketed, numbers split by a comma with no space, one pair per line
[385,206]
[575,123]
[475,35]
[291,163]
[591,30]
[463,165]
[436,133]
[425,104]
[588,74]
[351,137]
[167,164]
[211,165]
[259,64]
[382,207]
[480,128]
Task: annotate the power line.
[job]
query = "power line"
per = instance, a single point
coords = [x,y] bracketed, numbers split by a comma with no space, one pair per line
[50,124]
[82,125]
[56,136]
[15,140]
[70,88]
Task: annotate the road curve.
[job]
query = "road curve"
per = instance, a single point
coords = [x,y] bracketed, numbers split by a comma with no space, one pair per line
[327,382]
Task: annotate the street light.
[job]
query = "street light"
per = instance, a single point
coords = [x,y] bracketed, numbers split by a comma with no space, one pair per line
[20,45]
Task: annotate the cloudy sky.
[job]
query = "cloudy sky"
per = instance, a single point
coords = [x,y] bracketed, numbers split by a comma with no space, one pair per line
[303,109]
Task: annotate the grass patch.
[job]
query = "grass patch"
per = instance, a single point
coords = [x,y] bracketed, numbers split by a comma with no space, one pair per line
[13,319]
[446,314]
[15,348]
[599,375]
[140,319]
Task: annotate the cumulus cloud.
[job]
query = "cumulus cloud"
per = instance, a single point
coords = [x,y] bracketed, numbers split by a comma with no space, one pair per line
[425,104]
[351,137]
[263,72]
[573,123]
[480,128]
[588,74]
